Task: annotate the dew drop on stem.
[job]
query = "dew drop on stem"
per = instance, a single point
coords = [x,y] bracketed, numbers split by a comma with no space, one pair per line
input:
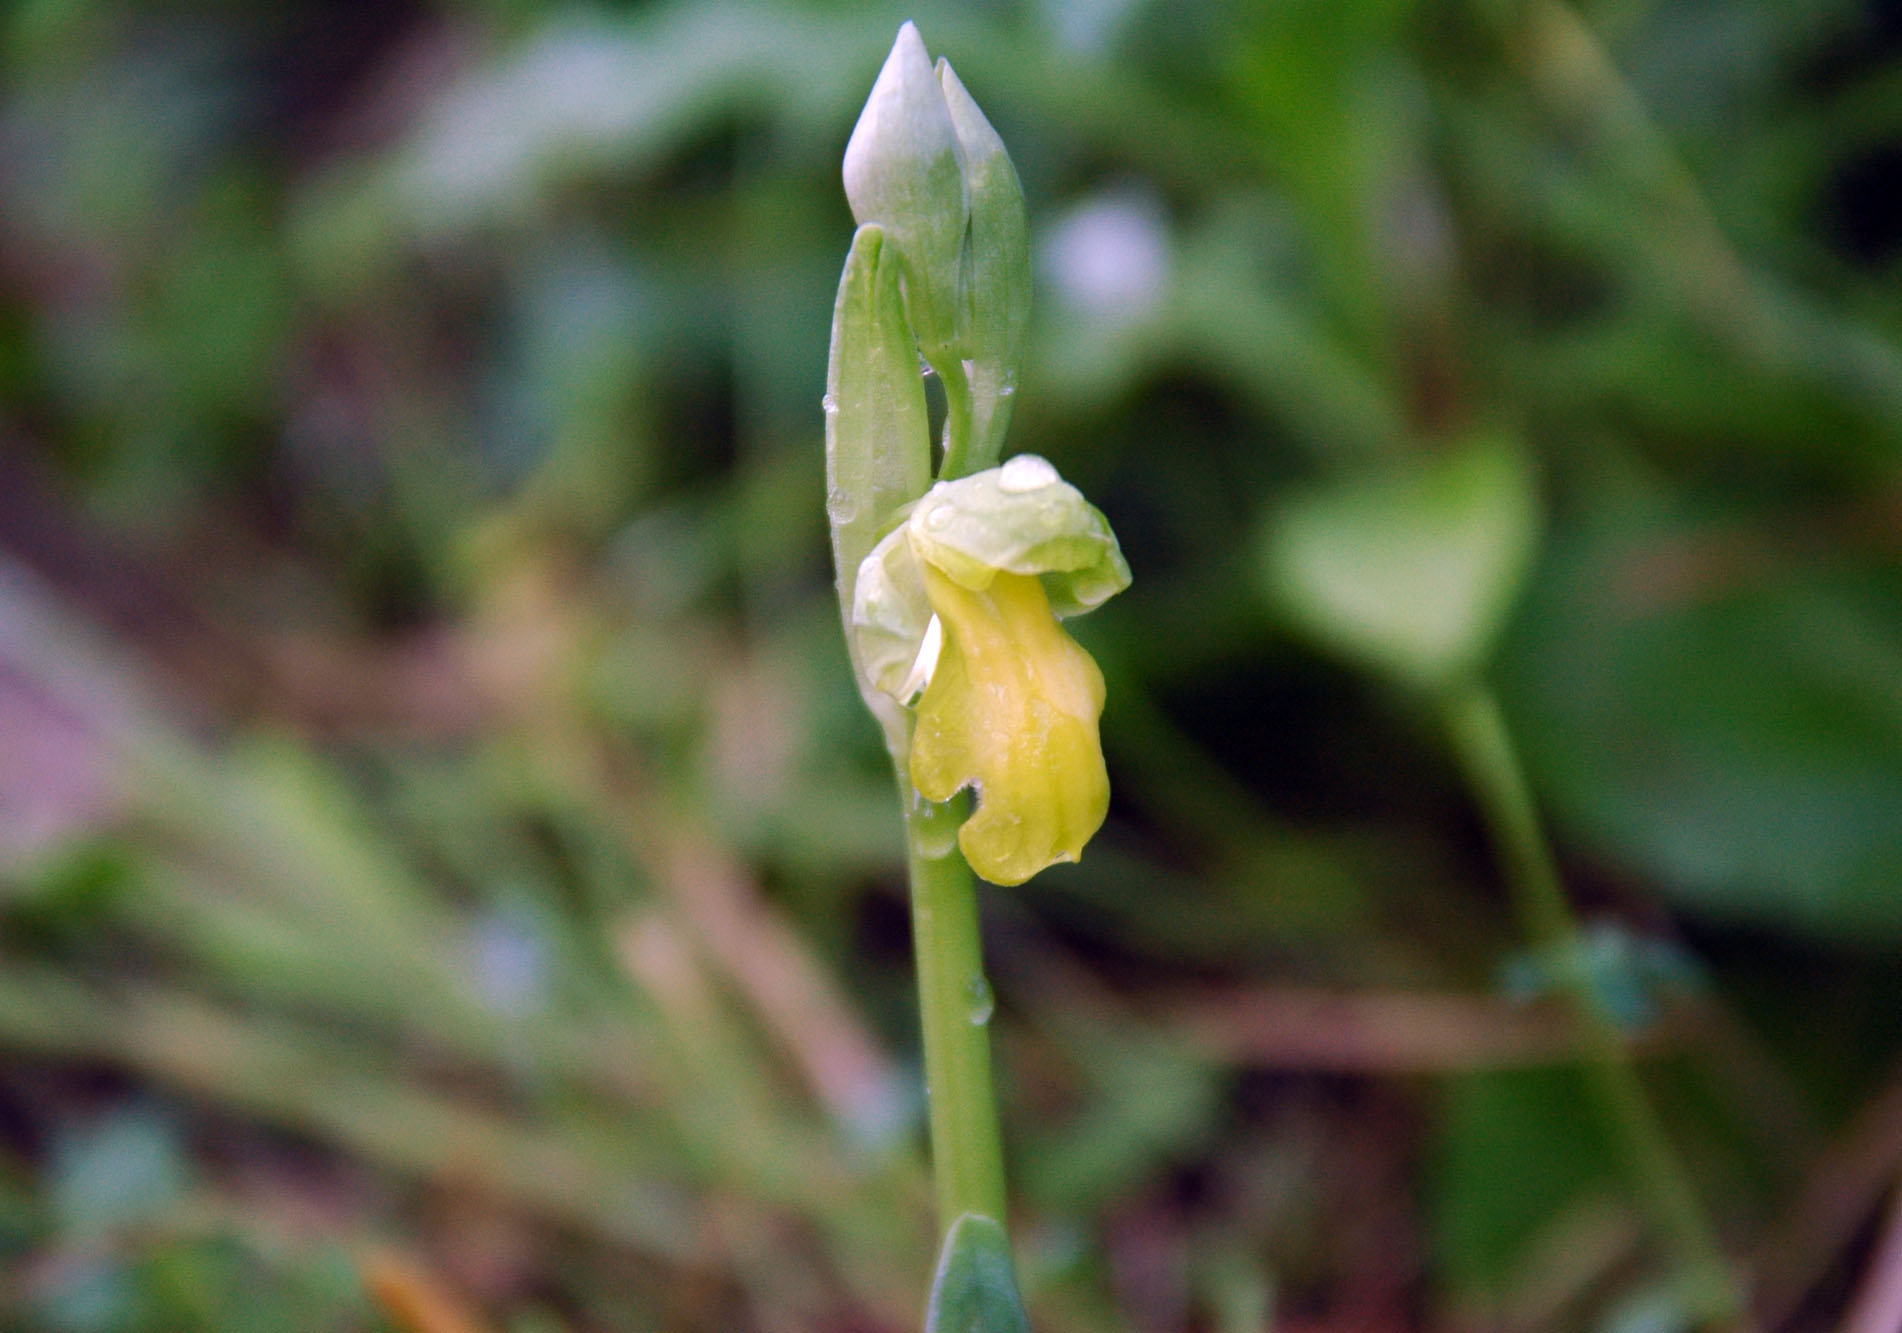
[983,1003]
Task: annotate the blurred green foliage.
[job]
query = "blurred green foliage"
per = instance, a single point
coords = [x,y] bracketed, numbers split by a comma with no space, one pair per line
[435,815]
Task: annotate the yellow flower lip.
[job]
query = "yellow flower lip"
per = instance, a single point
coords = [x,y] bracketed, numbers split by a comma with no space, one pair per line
[1011,710]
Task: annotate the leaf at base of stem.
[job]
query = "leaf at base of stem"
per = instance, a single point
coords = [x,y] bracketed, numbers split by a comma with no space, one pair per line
[975,1289]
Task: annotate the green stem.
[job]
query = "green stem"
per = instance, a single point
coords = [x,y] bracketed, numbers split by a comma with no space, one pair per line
[1485,750]
[957,420]
[954,1002]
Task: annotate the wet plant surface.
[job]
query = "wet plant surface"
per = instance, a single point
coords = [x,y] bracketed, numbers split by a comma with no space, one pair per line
[448,878]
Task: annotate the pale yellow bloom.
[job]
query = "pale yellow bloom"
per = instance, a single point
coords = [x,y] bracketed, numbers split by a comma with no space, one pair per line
[1011,709]
[965,596]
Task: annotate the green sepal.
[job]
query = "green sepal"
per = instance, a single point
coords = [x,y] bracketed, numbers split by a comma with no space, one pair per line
[904,170]
[1410,573]
[975,1289]
[878,435]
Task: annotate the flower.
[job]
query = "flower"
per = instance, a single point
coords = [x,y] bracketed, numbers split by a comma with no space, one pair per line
[1011,704]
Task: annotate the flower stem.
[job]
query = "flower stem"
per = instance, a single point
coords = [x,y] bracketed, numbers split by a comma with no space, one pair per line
[958,417]
[954,1002]
[1485,750]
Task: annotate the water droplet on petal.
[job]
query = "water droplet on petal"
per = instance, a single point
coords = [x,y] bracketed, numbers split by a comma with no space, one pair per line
[1026,472]
[841,505]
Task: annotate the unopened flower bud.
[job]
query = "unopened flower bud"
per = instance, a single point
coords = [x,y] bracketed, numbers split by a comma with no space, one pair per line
[904,170]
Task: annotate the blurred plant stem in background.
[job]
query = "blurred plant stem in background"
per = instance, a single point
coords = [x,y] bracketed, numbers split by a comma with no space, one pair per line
[1411,571]
[1709,1292]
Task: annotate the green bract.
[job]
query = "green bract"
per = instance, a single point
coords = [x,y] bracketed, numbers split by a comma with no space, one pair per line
[994,283]
[878,436]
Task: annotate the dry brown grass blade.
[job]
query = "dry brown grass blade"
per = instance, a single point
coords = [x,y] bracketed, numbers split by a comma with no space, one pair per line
[412,1298]
[1843,1189]
[1385,1033]
[1878,1305]
[765,959]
